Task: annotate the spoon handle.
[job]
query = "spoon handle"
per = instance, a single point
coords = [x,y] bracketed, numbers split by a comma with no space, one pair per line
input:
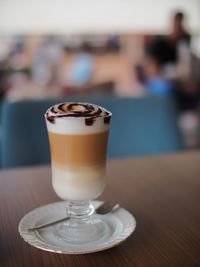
[41,226]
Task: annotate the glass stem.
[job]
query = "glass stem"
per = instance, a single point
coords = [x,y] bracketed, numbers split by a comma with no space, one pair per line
[80,210]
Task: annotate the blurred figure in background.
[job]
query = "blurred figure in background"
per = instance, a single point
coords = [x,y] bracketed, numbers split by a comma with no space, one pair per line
[179,32]
[187,96]
[155,82]
[165,48]
[167,58]
[80,72]
[46,62]
[167,69]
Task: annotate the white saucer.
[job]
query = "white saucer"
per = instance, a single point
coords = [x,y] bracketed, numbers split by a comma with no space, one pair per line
[121,224]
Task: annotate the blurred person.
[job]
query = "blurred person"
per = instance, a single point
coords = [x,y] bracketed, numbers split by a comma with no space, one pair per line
[113,43]
[165,49]
[171,60]
[4,77]
[188,99]
[151,77]
[167,58]
[155,82]
[187,96]
[80,72]
[179,32]
[18,57]
[46,62]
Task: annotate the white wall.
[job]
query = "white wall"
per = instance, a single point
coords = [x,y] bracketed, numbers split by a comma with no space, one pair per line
[72,16]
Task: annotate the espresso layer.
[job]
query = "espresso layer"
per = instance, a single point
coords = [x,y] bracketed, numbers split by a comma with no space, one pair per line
[75,151]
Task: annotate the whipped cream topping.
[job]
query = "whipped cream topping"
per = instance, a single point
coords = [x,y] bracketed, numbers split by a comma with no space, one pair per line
[77,110]
[77,117]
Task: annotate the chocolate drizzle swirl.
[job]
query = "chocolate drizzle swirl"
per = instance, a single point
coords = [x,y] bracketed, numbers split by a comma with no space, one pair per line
[61,107]
[89,121]
[50,118]
[89,111]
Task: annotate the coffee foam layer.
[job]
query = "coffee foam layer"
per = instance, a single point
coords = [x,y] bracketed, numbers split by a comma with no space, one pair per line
[77,118]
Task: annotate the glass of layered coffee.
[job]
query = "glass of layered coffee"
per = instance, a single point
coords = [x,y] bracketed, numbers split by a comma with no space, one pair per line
[78,136]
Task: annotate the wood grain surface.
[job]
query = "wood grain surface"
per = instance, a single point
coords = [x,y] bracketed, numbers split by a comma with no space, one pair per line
[162,192]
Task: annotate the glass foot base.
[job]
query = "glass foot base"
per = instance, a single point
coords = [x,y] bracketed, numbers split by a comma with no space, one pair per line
[77,232]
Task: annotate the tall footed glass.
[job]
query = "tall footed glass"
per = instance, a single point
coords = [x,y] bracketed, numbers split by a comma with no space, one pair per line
[78,136]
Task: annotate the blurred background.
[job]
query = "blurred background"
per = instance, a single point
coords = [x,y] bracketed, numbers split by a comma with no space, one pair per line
[114,49]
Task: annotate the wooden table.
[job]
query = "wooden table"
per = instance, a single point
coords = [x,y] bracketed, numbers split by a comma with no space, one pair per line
[162,192]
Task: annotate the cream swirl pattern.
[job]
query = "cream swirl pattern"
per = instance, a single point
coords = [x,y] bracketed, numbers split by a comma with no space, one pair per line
[89,111]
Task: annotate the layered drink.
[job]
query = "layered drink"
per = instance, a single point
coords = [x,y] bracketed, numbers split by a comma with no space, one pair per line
[78,135]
